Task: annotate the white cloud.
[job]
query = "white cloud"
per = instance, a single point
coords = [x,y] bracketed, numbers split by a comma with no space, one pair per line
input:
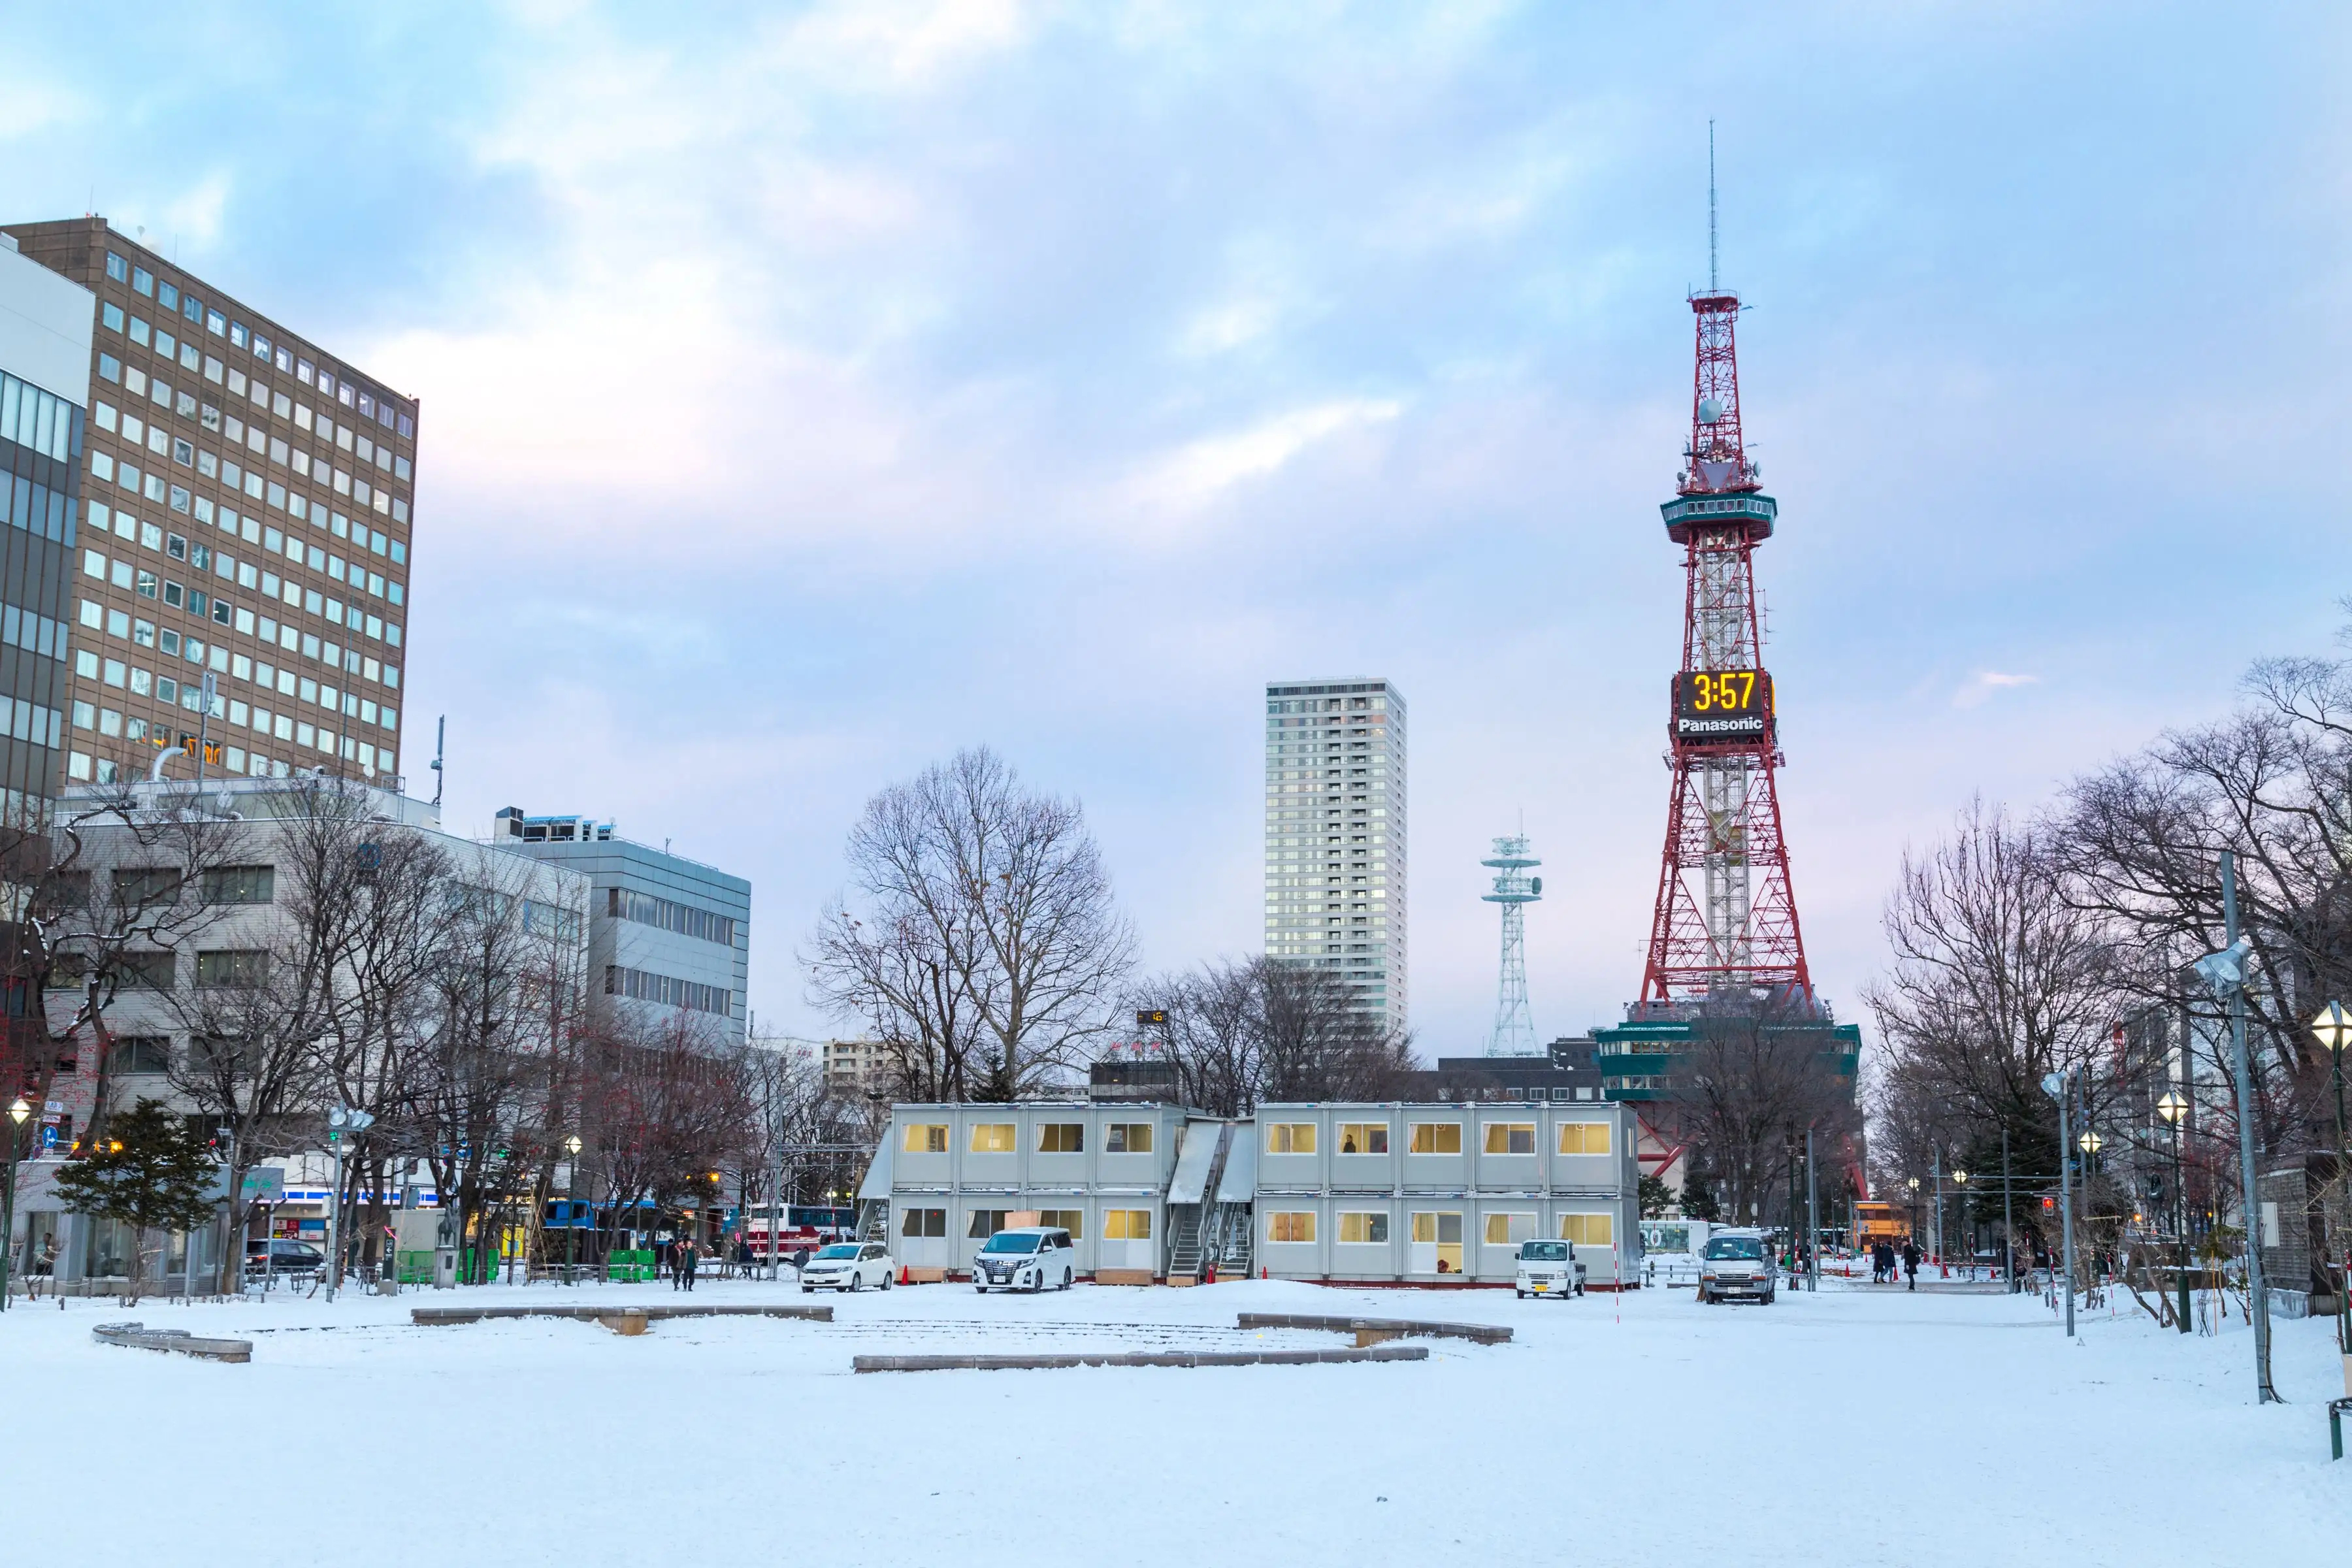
[1197,473]
[1985,682]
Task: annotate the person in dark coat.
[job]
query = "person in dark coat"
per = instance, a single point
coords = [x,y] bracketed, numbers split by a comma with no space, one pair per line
[686,1258]
[1911,1263]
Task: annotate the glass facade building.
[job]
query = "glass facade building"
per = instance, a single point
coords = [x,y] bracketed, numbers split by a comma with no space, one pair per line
[45,325]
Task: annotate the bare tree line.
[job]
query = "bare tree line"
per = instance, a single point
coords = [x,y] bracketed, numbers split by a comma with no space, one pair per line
[322,956]
[2063,941]
[980,942]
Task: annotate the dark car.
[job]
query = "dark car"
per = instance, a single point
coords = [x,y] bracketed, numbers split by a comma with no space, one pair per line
[282,1254]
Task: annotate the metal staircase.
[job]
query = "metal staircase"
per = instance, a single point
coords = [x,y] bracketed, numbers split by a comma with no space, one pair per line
[1194,1238]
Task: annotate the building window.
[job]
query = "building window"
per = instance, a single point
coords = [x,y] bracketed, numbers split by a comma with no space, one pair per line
[1071,1220]
[1588,1229]
[1127,1138]
[230,969]
[1510,1138]
[1290,1224]
[240,885]
[1060,1138]
[1363,1137]
[985,1222]
[1290,1138]
[1434,1138]
[138,1056]
[918,1223]
[1126,1224]
[1509,1229]
[644,908]
[991,1137]
[926,1138]
[1584,1137]
[1369,1229]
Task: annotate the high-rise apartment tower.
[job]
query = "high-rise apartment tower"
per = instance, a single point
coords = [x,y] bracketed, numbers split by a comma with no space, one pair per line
[1335,835]
[243,534]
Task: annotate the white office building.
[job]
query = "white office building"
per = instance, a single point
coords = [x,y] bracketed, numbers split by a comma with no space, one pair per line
[1334,834]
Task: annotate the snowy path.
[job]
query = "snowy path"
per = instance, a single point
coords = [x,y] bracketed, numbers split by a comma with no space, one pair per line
[724,1439]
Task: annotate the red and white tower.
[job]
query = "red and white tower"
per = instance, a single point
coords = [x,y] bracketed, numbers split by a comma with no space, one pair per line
[1726,923]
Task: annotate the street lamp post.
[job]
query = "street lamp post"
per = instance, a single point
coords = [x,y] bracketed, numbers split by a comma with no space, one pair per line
[570,1208]
[17,1112]
[1968,1237]
[2173,1109]
[1913,1182]
[2090,1142]
[2056,1087]
[2334,1027]
[2224,973]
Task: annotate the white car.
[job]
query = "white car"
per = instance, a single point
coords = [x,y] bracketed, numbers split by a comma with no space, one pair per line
[1550,1268]
[1030,1258]
[850,1266]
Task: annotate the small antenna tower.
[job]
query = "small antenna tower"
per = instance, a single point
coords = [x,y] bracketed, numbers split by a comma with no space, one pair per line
[1515,1026]
[1711,284]
[440,747]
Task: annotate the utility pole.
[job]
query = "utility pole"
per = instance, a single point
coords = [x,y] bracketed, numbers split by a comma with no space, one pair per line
[1812,1217]
[2007,1224]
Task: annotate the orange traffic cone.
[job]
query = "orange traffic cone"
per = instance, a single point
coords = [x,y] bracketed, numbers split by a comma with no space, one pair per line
[906,1276]
[1261,1273]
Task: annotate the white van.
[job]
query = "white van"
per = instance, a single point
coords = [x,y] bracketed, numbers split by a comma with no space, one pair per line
[1030,1258]
[1550,1268]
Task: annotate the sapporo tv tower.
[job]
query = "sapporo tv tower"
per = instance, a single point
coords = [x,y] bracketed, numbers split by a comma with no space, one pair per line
[1726,923]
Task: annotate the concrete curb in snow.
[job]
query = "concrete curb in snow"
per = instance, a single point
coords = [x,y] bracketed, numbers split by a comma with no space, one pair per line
[1132,1358]
[1481,1333]
[430,1317]
[134,1337]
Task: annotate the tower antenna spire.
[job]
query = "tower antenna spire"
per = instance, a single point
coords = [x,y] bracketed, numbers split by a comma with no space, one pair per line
[1711,283]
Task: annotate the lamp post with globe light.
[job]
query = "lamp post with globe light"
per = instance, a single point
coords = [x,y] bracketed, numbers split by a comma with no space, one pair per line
[1968,1232]
[2174,1110]
[2090,1142]
[572,1206]
[1913,1182]
[17,1112]
[2334,1028]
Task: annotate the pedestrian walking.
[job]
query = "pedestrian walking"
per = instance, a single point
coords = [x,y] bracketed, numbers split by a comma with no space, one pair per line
[687,1250]
[1911,1263]
[674,1257]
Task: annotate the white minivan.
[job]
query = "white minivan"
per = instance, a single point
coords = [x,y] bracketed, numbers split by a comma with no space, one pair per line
[1032,1257]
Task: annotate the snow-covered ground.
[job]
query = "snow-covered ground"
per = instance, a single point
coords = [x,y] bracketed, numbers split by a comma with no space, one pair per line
[1916,1429]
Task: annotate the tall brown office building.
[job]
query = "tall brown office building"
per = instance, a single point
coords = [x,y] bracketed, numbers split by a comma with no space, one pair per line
[245,506]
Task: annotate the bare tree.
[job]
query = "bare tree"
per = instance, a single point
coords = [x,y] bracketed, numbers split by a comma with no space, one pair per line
[1755,1077]
[983,948]
[487,1061]
[1998,980]
[2142,841]
[1244,1031]
[116,909]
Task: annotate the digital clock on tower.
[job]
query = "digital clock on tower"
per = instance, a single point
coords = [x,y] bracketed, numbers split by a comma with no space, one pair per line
[1723,705]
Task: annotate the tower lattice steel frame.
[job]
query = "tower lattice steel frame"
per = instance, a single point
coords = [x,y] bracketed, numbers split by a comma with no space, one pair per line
[1514,1025]
[1725,919]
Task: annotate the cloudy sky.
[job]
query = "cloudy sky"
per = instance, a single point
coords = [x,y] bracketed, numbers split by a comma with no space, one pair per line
[809,391]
